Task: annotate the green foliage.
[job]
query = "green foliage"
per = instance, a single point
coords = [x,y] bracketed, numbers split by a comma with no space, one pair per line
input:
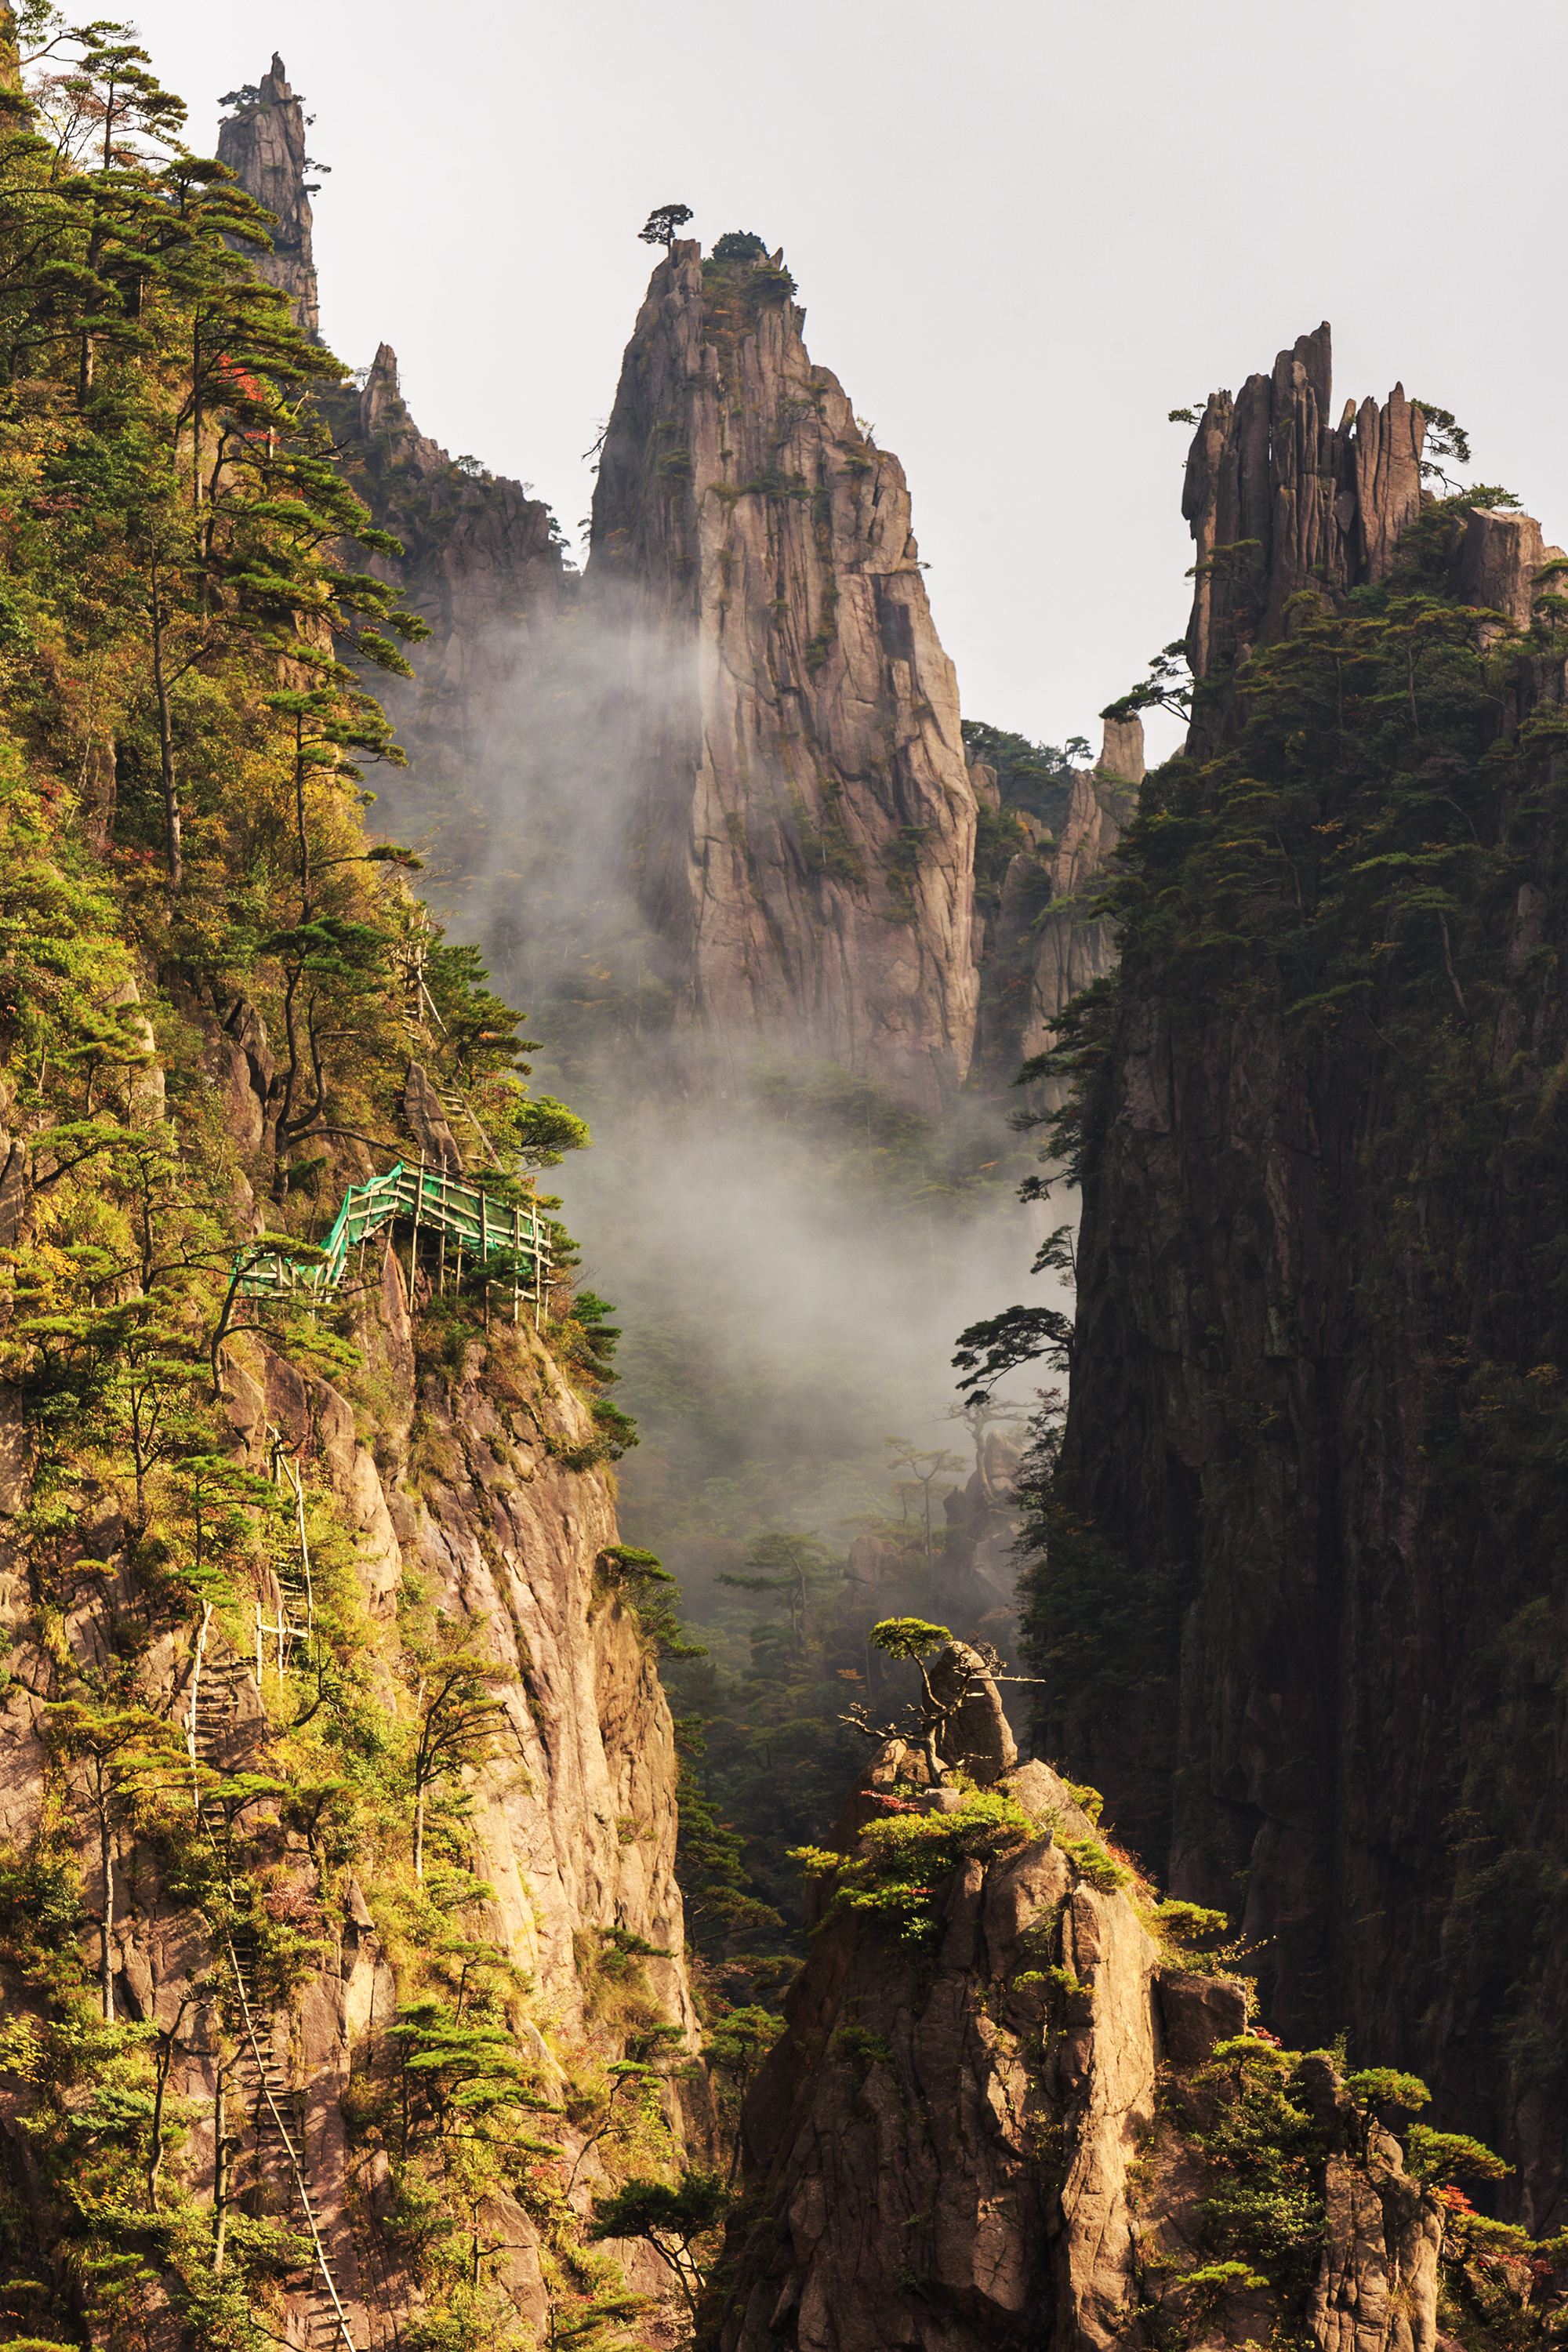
[662,224]
[1182,1926]
[989,1351]
[1336,864]
[1445,438]
[547,1131]
[739,244]
[676,2220]
[1034,777]
[1210,2283]
[189,618]
[459,1716]
[1091,1861]
[649,1589]
[901,1861]
[1434,2156]
[1165,688]
[740,2040]
[1264,2154]
[999,838]
[909,1637]
[861,2049]
[1385,2087]
[793,1563]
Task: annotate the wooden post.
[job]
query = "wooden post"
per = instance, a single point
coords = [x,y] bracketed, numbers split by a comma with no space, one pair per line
[196,1694]
[485,1251]
[516,1254]
[413,1244]
[441,1261]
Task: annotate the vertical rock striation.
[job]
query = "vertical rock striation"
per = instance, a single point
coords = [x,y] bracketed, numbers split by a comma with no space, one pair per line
[263,146]
[993,2136]
[481,566]
[804,821]
[1278,499]
[1303,1549]
[469,1479]
[1042,941]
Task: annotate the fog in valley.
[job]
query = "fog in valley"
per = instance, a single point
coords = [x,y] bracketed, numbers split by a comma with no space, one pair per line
[790,1251]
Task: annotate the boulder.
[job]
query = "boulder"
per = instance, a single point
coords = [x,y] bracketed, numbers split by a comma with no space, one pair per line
[1196,2012]
[978,1737]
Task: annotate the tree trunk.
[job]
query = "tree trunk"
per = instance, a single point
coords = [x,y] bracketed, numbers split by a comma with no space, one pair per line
[167,750]
[165,2060]
[420,1782]
[106,1856]
[220,2178]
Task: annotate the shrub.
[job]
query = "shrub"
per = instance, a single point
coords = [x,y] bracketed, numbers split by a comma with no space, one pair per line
[862,2050]
[1215,2280]
[1264,2156]
[903,1859]
[1088,1800]
[1434,2155]
[1385,2087]
[739,244]
[1091,1860]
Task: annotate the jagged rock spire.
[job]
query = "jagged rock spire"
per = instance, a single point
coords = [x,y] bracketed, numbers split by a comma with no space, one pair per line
[805,819]
[1278,499]
[264,147]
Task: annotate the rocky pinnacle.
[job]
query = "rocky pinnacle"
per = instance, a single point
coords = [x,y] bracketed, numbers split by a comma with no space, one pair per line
[805,820]
[264,147]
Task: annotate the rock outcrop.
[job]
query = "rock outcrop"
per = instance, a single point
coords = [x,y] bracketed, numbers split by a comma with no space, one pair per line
[993,2136]
[1298,1541]
[481,567]
[803,820]
[481,564]
[1280,500]
[469,1480]
[1043,941]
[748,811]
[263,145]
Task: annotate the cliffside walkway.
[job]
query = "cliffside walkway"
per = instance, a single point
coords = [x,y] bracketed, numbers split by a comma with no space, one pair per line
[453,1218]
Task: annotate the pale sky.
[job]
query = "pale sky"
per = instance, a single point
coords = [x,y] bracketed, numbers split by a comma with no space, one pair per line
[1022,233]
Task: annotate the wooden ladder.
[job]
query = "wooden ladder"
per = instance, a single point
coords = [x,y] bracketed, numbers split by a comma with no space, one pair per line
[273,2144]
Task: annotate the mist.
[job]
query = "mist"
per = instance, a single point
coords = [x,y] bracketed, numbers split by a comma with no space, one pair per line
[791,1251]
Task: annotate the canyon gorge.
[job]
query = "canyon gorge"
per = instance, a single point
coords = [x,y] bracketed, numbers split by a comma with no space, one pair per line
[531,1823]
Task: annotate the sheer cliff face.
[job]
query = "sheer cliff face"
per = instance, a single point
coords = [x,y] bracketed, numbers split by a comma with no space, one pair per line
[573,1828]
[480,566]
[482,559]
[467,1479]
[995,2137]
[1042,943]
[264,147]
[805,823]
[1305,1518]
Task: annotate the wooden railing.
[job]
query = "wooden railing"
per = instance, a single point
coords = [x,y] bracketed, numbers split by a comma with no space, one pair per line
[458,1220]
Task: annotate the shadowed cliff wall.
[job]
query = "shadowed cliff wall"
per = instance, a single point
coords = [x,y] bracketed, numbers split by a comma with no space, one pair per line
[1304,1552]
